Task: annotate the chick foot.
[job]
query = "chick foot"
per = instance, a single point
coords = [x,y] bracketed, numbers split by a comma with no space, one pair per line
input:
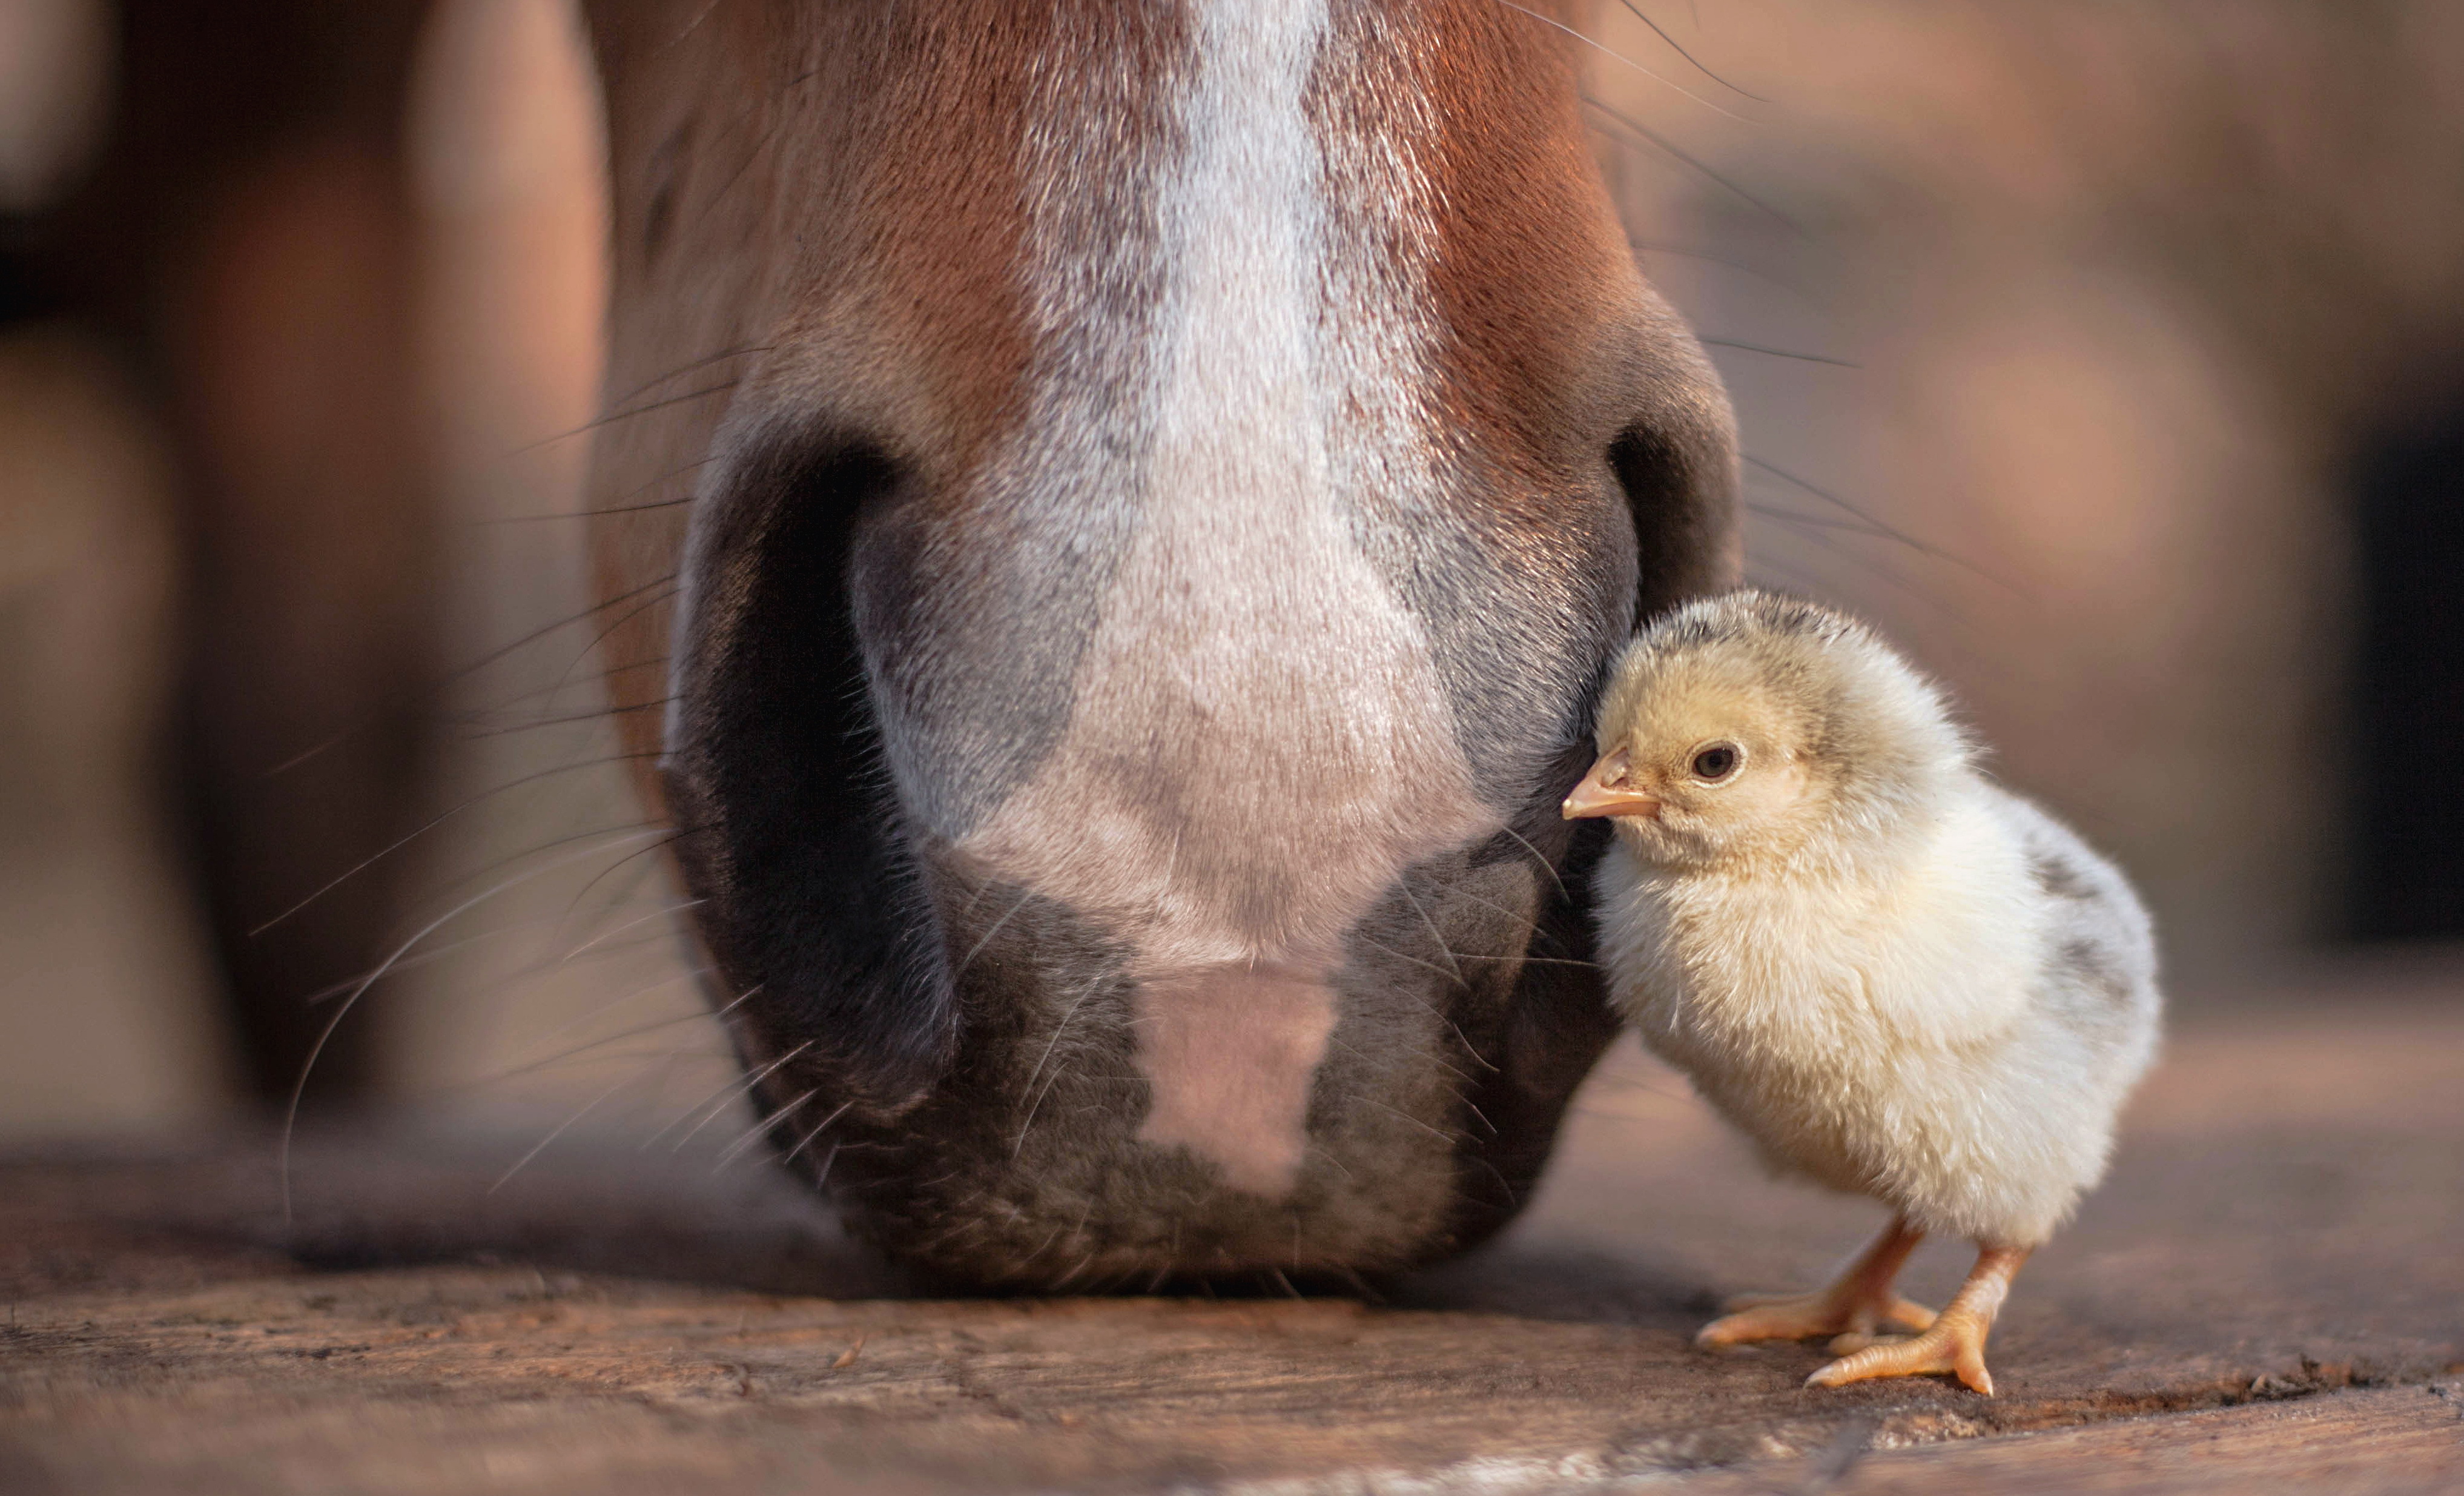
[1954,1345]
[1860,1302]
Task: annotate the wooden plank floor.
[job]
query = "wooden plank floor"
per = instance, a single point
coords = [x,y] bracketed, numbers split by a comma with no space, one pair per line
[2268,1294]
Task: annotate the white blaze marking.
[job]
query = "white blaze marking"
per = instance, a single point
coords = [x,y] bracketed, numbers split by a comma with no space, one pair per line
[1259,741]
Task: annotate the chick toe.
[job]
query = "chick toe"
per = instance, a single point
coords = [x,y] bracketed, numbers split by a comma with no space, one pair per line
[1804,1316]
[1954,1346]
[1903,1315]
[1773,1317]
[1857,1303]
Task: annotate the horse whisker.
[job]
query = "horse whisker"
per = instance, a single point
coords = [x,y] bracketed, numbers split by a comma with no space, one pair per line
[540,1146]
[427,825]
[759,1129]
[1621,59]
[819,1128]
[1673,46]
[291,1112]
[433,687]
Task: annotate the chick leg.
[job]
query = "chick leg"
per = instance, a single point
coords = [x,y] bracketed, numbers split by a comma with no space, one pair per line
[1857,1302]
[1956,1341]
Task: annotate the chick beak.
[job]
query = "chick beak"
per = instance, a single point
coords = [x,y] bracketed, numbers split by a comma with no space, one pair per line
[1606,792]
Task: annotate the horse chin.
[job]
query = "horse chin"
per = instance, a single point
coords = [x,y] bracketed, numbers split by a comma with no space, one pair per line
[1047,1156]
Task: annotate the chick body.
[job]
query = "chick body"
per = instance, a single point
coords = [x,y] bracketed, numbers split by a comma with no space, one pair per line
[1946,1038]
[1895,978]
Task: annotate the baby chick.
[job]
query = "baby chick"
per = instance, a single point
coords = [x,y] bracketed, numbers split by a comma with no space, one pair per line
[1897,979]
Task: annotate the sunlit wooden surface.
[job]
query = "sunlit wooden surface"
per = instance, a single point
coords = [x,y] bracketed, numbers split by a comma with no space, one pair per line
[2269,1294]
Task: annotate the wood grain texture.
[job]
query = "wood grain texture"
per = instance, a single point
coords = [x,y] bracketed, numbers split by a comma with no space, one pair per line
[2267,1293]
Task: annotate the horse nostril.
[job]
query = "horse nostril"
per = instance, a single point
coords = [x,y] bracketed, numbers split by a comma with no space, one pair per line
[775,766]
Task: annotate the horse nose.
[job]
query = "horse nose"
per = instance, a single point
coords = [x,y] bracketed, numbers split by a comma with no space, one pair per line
[1073,925]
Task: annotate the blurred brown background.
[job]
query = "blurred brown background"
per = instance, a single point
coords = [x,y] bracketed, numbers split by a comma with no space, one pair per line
[2107,354]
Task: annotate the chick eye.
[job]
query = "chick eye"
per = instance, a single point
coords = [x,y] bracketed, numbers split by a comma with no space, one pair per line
[1717,761]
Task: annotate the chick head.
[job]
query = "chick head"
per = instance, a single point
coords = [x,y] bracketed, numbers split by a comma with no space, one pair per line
[1751,726]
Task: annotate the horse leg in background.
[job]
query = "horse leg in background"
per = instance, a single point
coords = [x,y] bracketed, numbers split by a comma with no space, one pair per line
[247,235]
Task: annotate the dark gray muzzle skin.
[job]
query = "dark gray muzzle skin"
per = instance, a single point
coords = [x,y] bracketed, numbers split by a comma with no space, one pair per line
[889,629]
